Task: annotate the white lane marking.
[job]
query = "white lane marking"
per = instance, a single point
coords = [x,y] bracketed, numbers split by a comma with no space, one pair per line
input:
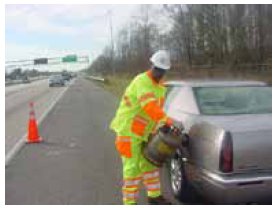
[14,150]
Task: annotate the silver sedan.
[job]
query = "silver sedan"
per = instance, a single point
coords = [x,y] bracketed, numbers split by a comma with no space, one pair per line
[229,156]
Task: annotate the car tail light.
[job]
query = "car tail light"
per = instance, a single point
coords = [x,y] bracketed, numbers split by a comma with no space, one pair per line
[226,155]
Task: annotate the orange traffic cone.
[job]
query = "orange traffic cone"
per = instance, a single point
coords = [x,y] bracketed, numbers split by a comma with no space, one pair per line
[33,135]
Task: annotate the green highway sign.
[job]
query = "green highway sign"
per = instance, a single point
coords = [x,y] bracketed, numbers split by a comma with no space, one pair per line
[69,58]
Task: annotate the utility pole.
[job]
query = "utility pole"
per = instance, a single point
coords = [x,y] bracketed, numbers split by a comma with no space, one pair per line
[112,42]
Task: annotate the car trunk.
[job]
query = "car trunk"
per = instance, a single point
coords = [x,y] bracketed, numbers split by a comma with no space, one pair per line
[252,140]
[252,150]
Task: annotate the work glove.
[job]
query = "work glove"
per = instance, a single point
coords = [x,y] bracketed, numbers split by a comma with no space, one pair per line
[176,127]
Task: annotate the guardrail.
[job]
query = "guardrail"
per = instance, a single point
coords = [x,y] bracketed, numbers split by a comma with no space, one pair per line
[97,78]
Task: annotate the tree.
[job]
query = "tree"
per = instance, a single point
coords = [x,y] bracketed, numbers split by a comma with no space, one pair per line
[211,35]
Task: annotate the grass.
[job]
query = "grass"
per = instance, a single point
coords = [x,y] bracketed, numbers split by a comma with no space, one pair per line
[219,74]
[117,84]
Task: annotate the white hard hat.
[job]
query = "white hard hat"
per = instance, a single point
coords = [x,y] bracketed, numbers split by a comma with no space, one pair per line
[161,59]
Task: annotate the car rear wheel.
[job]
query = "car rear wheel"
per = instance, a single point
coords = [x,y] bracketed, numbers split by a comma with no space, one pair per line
[180,186]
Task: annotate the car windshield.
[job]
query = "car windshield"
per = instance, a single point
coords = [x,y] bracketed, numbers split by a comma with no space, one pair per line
[234,100]
[56,77]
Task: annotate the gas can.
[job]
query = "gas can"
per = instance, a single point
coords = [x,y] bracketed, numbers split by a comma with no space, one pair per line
[162,145]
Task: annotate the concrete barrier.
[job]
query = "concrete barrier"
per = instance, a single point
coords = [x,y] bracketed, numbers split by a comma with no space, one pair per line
[13,82]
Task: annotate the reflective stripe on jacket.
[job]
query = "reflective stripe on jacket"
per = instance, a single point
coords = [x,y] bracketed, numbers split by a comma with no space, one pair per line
[140,108]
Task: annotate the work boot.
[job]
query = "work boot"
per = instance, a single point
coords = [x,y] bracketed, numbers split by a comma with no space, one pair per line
[160,200]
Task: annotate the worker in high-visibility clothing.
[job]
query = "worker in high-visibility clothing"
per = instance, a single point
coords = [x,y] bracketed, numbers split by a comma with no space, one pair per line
[139,112]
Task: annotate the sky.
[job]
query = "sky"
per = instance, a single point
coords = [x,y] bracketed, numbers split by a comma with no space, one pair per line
[37,31]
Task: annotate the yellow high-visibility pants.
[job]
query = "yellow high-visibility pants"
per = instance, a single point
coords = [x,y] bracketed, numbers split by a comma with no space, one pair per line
[136,169]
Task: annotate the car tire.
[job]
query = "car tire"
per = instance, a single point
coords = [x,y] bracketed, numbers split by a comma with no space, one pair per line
[180,186]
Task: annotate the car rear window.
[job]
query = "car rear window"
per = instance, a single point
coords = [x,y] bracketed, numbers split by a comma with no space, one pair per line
[234,100]
[56,77]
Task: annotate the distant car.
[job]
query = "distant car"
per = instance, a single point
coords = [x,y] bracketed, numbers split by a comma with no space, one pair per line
[229,156]
[66,76]
[56,80]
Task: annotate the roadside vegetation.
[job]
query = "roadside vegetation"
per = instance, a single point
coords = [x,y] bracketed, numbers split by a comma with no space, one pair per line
[205,42]
[115,84]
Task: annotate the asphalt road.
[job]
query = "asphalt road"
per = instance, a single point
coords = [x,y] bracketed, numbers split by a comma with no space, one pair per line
[17,99]
[77,162]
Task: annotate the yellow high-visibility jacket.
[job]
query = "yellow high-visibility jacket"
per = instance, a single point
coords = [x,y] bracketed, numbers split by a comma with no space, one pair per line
[140,108]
